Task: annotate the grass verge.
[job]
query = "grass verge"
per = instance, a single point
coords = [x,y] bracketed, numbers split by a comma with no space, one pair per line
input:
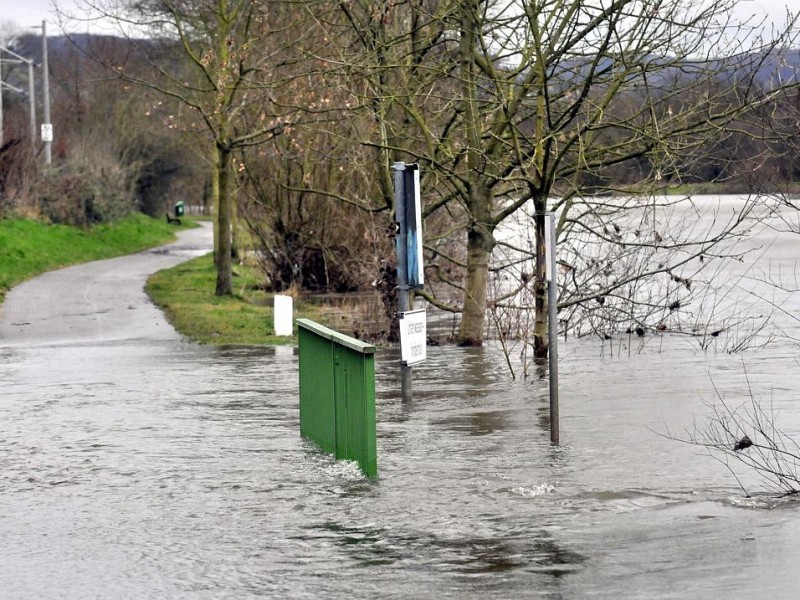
[28,248]
[186,294]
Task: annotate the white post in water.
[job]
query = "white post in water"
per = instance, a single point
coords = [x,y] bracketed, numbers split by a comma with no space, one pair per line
[552,324]
[283,315]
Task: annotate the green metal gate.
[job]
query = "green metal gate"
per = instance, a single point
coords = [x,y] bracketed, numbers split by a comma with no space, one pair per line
[337,394]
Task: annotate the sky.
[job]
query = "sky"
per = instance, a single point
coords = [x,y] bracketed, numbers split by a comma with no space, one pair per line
[26,13]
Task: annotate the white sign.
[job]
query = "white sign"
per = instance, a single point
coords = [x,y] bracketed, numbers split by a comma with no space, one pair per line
[282,315]
[413,336]
[47,132]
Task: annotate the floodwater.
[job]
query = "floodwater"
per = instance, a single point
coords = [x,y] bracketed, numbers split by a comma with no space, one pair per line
[150,467]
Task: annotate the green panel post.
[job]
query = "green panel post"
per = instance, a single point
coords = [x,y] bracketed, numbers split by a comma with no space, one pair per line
[337,394]
[355,409]
[317,408]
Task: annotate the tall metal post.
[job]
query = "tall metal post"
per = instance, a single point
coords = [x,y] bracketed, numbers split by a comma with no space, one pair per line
[46,94]
[32,106]
[402,263]
[552,327]
[18,59]
[1,102]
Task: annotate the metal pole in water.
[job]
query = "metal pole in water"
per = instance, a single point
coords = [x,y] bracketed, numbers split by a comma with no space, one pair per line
[402,263]
[552,326]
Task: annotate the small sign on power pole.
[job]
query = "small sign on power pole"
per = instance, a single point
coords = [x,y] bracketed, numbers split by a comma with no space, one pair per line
[410,270]
[47,132]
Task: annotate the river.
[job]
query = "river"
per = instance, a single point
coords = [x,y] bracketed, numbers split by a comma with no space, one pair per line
[144,466]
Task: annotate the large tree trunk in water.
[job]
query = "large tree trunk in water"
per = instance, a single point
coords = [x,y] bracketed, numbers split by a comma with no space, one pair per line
[540,334]
[223,258]
[480,239]
[480,243]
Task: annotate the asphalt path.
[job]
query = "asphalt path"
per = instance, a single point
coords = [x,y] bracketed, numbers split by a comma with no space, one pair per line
[100,301]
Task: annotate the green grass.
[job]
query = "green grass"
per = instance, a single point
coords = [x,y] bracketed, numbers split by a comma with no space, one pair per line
[28,248]
[186,294]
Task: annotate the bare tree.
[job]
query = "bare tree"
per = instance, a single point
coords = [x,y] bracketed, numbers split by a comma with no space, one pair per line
[747,436]
[550,105]
[218,60]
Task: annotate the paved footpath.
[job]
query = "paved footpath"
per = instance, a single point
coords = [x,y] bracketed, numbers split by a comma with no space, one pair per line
[99,301]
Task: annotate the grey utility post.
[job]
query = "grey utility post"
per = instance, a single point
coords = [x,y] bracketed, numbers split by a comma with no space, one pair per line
[552,326]
[31,93]
[1,102]
[402,263]
[47,127]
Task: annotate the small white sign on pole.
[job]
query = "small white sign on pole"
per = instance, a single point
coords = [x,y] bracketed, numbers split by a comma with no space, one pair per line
[282,315]
[47,132]
[413,336]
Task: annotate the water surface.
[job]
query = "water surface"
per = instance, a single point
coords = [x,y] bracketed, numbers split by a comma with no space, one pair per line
[153,467]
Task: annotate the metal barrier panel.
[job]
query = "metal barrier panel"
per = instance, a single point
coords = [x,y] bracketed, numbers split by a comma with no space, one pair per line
[317,409]
[337,394]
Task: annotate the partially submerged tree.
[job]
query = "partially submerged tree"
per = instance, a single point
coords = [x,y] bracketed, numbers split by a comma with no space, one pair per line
[550,105]
[747,440]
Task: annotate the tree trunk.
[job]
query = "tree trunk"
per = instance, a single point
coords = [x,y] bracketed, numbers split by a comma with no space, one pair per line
[480,238]
[224,267]
[480,243]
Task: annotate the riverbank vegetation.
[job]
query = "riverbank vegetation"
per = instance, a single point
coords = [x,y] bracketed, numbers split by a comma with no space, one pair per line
[186,294]
[30,247]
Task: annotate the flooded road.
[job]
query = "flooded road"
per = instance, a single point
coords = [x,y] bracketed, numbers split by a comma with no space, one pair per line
[137,465]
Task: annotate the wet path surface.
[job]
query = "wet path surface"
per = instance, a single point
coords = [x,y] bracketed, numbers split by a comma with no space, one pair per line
[96,302]
[137,465]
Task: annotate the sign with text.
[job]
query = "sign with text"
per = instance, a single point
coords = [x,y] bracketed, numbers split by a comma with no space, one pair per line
[47,132]
[413,336]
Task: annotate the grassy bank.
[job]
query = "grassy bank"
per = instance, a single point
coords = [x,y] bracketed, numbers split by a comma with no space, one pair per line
[28,247]
[186,294]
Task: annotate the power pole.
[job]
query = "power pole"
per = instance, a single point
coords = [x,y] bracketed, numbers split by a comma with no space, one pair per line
[48,159]
[47,138]
[18,59]
[32,106]
[1,102]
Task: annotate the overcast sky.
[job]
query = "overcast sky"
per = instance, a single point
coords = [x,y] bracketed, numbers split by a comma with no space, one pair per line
[26,13]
